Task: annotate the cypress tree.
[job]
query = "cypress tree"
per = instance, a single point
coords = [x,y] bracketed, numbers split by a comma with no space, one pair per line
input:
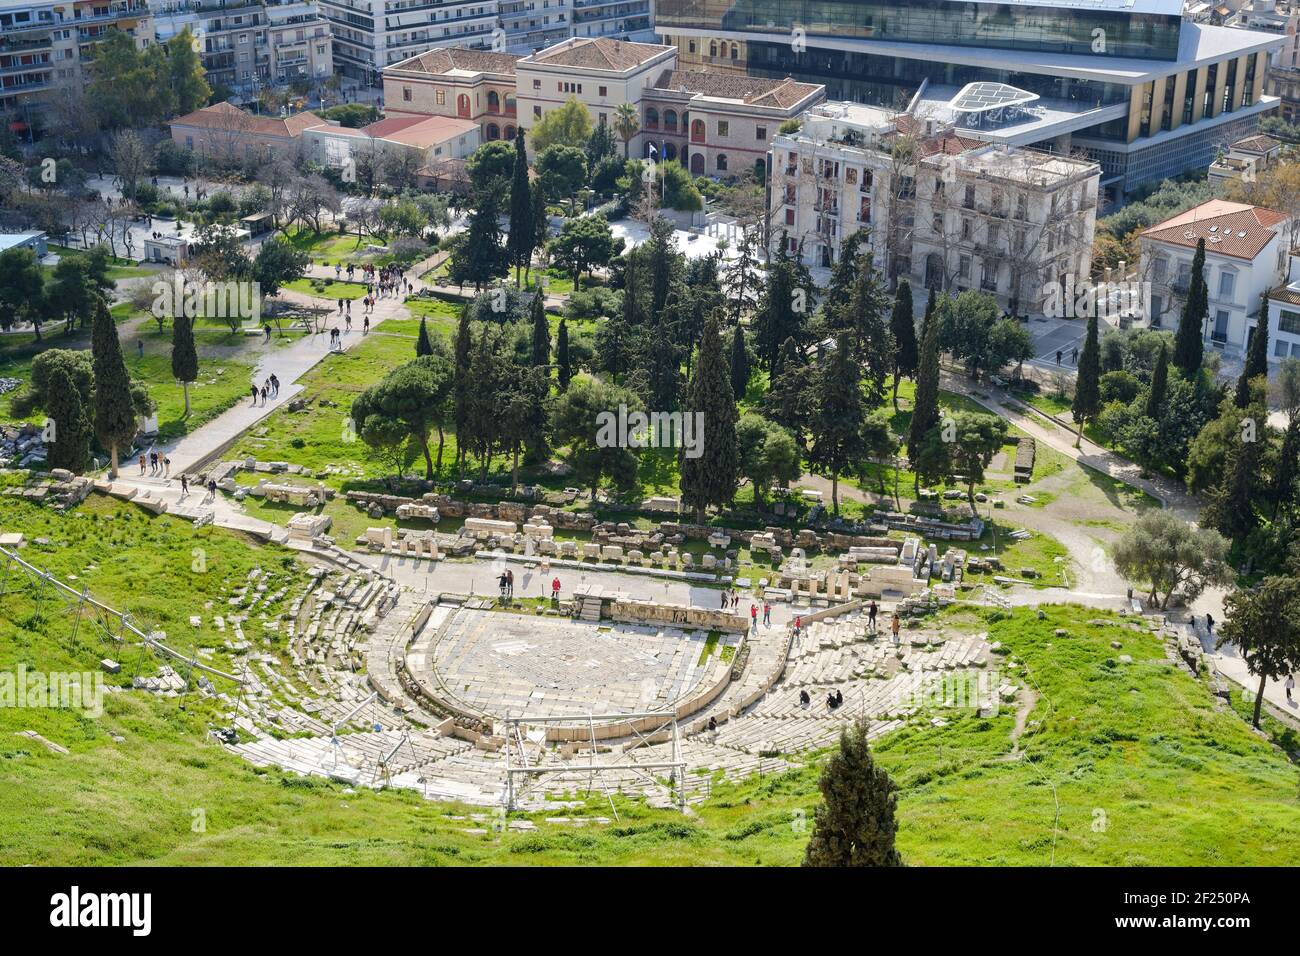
[540,222]
[854,825]
[185,360]
[1256,358]
[739,363]
[1188,344]
[564,371]
[711,477]
[925,410]
[115,419]
[903,327]
[71,446]
[461,386]
[523,234]
[422,344]
[1159,384]
[541,332]
[1087,386]
[838,415]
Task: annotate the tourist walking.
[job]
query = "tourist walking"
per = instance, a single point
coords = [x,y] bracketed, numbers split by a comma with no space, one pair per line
[1290,686]
[753,616]
[510,583]
[185,486]
[894,624]
[871,616]
[365,326]
[142,465]
[555,589]
[167,467]
[767,614]
[254,388]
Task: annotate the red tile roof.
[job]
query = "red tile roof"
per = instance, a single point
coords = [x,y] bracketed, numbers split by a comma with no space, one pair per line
[446,59]
[754,90]
[229,118]
[1228,228]
[599,53]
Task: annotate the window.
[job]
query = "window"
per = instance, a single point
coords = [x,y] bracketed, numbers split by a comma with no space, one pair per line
[537,112]
[963,267]
[936,224]
[537,84]
[722,162]
[724,128]
[1227,284]
[969,199]
[760,134]
[966,229]
[1289,322]
[789,217]
[406,94]
[602,91]
[440,97]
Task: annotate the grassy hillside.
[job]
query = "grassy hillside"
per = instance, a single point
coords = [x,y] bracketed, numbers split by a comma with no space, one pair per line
[1145,768]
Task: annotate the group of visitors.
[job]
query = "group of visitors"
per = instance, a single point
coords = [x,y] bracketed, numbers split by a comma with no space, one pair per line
[267,390]
[159,465]
[507,584]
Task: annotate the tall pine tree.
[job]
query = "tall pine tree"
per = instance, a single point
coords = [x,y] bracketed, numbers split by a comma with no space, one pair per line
[462,386]
[185,360]
[903,327]
[925,409]
[523,233]
[71,446]
[1256,358]
[541,352]
[739,363]
[838,415]
[1087,386]
[854,825]
[115,418]
[1159,385]
[1188,341]
[423,345]
[711,477]
[563,370]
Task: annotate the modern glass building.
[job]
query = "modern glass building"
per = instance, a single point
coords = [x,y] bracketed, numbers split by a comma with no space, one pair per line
[1143,91]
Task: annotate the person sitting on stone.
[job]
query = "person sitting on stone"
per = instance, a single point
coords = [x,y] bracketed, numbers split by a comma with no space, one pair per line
[804,699]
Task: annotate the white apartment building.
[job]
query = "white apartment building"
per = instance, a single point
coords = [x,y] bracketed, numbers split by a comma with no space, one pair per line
[372,35]
[1284,315]
[1003,220]
[1244,160]
[45,46]
[250,45]
[1245,256]
[947,212]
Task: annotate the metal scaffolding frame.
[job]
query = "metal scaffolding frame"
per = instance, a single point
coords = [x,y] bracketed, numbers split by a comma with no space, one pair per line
[112,626]
[518,766]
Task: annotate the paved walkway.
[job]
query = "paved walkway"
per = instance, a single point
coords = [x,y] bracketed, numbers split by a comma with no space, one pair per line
[289,365]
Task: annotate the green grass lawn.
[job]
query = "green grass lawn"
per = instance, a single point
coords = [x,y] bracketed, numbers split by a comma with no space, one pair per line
[327,288]
[1146,769]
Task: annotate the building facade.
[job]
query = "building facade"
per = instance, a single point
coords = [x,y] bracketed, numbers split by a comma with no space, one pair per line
[1245,256]
[250,45]
[45,47]
[372,35]
[1144,92]
[473,85]
[947,212]
[1284,314]
[1244,160]
[227,135]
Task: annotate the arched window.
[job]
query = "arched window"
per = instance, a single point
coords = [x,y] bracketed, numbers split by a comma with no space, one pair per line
[510,132]
[651,118]
[697,164]
[670,151]
[670,120]
[462,105]
[494,102]
[713,48]
[722,162]
[510,104]
[493,131]
[697,131]
[735,52]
